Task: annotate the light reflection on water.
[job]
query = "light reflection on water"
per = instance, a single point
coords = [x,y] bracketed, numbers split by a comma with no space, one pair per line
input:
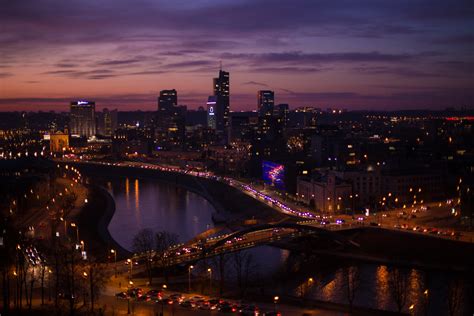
[158,206]
[375,290]
[381,294]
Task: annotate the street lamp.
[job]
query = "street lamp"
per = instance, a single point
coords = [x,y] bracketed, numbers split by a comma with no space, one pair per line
[162,301]
[130,262]
[275,301]
[189,278]
[115,261]
[210,279]
[65,226]
[77,230]
[84,274]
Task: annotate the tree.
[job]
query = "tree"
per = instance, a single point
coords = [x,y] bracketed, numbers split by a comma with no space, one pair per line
[352,283]
[398,287]
[163,241]
[455,296]
[97,279]
[220,262]
[244,265]
[143,243]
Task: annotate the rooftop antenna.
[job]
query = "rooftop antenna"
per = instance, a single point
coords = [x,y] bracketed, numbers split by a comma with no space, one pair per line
[220,65]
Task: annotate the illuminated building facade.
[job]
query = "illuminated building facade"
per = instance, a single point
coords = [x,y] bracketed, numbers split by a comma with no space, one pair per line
[222,93]
[170,121]
[326,193]
[82,118]
[265,102]
[59,142]
[211,112]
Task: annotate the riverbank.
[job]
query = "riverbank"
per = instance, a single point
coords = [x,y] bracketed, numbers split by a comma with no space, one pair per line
[93,221]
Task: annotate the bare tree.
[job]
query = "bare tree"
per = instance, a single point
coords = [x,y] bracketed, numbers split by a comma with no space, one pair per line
[455,296]
[42,271]
[244,265]
[97,278]
[163,241]
[220,262]
[352,283]
[398,287]
[143,243]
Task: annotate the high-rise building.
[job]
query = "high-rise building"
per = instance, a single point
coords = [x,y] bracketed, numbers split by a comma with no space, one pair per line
[170,121]
[281,111]
[82,118]
[265,102]
[222,109]
[265,106]
[211,112]
[110,121]
[268,139]
[167,100]
[107,122]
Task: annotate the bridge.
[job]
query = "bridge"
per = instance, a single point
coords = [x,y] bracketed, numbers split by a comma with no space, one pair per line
[243,239]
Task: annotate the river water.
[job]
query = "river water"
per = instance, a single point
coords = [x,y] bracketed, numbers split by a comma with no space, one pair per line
[145,203]
[159,206]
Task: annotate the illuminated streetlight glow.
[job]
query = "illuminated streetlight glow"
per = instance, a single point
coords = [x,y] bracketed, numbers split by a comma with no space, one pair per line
[189,278]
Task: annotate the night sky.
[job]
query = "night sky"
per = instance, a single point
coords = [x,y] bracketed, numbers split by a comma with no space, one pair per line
[353,54]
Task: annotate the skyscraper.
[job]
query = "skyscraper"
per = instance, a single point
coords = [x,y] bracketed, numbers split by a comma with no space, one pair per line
[222,92]
[82,118]
[107,122]
[167,100]
[170,121]
[265,102]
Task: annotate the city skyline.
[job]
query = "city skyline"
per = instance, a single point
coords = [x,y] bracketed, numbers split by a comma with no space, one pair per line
[354,55]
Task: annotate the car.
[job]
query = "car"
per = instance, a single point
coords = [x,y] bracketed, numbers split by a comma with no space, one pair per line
[143,298]
[272,313]
[154,293]
[374,224]
[134,292]
[121,295]
[186,304]
[250,311]
[176,297]
[205,305]
[226,308]
[165,301]
[340,221]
